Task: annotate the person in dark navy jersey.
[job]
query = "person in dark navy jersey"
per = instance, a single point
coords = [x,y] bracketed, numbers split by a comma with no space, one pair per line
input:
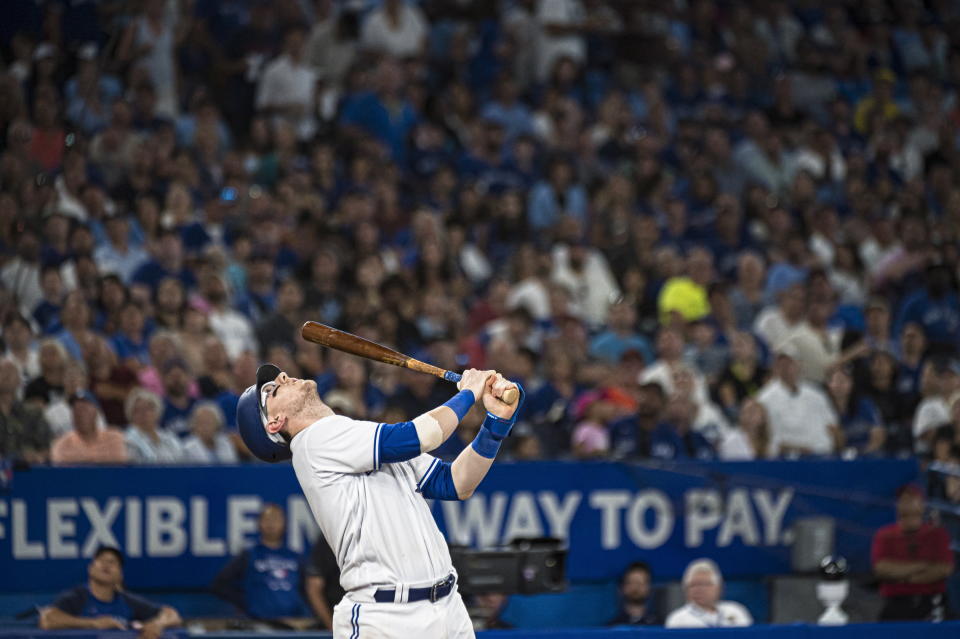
[103,604]
[264,581]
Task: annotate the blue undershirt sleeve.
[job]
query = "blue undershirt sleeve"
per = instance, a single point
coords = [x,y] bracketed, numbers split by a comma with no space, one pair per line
[437,483]
[396,443]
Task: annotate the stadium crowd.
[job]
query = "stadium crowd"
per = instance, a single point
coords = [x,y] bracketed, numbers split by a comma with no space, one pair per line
[692,229]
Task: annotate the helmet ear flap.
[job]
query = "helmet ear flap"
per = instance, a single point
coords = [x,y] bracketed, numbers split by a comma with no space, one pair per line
[251,421]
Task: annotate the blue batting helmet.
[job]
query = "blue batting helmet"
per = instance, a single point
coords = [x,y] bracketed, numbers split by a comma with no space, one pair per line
[252,419]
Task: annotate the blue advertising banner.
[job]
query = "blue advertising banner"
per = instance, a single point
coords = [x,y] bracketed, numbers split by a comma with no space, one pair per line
[178,525]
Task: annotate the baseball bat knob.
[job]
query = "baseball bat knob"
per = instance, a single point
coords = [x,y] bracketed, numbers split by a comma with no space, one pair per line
[509,395]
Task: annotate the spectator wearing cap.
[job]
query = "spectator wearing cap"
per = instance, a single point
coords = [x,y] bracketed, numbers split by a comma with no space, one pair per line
[115,254]
[207,443]
[103,603]
[178,399]
[24,433]
[85,443]
[146,442]
[912,560]
[686,296]
[703,585]
[940,379]
[802,419]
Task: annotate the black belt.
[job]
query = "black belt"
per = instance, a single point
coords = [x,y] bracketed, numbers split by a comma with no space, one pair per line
[435,592]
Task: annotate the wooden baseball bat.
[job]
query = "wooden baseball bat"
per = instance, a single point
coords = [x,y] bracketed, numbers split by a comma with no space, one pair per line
[356,345]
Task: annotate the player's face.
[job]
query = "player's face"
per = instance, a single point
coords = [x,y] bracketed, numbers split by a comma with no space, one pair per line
[106,569]
[287,394]
[703,590]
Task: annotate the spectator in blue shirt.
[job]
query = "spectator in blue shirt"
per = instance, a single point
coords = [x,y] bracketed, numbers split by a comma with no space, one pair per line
[177,401]
[264,581]
[621,336]
[506,109]
[556,196]
[167,261]
[103,604]
[936,308]
[674,438]
[860,420]
[384,114]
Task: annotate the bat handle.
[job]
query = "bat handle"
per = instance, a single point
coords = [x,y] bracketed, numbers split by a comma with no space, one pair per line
[450,376]
[509,396]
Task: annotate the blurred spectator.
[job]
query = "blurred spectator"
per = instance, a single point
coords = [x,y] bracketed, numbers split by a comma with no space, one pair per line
[396,28]
[264,581]
[621,336]
[178,399]
[556,196]
[86,443]
[676,436]
[743,376]
[802,419]
[560,23]
[750,438]
[703,585]
[687,295]
[287,87]
[935,307]
[632,437]
[670,351]
[233,329]
[637,607]
[879,107]
[104,604]
[146,442]
[863,428]
[149,43]
[18,338]
[912,560]
[24,433]
[776,323]
[322,581]
[492,605]
[941,378]
[207,443]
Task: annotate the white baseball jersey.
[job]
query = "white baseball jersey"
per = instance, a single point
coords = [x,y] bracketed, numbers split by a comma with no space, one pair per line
[378,525]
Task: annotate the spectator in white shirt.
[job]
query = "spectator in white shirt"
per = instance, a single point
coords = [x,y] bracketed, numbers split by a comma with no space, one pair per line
[396,28]
[287,88]
[748,440]
[670,353]
[561,23]
[775,323]
[146,442]
[231,326]
[584,272]
[939,380]
[703,584]
[802,419]
[208,444]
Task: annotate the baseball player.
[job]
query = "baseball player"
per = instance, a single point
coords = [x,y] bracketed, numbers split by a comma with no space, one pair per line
[366,484]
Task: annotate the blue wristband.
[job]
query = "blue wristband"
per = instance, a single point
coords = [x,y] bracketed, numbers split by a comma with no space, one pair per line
[461,403]
[499,427]
[486,444]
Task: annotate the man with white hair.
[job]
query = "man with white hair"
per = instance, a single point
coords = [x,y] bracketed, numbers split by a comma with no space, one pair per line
[702,584]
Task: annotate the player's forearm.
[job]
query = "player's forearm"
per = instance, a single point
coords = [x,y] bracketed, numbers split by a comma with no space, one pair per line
[468,470]
[436,426]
